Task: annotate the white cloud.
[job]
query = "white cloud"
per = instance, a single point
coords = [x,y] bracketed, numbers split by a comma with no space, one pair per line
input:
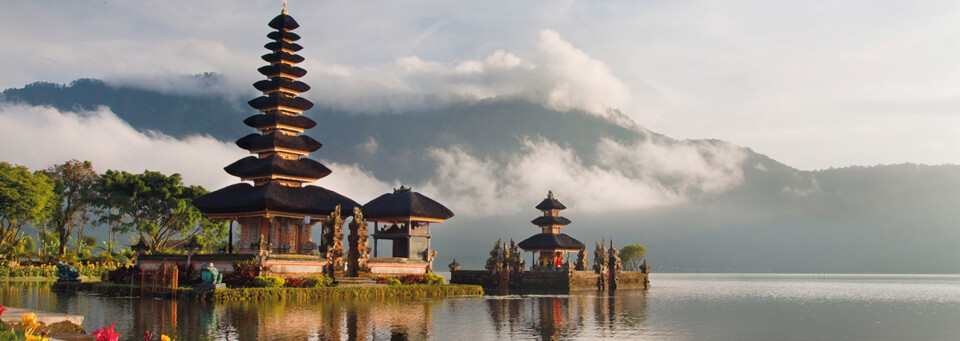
[649,174]
[39,137]
[559,76]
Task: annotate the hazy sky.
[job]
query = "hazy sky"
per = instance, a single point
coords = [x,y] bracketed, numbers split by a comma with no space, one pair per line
[813,84]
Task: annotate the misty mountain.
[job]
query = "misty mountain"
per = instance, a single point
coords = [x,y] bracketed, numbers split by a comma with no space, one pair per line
[699,205]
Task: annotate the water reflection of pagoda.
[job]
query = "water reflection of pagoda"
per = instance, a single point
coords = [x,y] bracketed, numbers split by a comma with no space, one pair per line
[277,205]
[550,243]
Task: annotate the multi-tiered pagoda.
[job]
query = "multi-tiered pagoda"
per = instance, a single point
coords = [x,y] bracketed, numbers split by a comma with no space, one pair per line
[550,243]
[280,205]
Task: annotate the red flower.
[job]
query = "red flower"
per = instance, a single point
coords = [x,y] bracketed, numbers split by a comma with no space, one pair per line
[2,309]
[106,334]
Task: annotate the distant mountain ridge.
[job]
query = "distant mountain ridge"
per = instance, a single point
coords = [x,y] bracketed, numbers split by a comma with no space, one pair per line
[889,218]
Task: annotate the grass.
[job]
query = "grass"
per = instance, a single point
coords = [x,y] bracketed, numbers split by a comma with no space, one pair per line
[274,294]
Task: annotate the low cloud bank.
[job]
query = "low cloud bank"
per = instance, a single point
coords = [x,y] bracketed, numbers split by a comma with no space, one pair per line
[644,175]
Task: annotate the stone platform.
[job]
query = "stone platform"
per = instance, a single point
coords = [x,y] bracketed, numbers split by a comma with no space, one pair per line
[61,326]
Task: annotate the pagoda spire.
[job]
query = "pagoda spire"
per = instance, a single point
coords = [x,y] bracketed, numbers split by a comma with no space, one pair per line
[280,167]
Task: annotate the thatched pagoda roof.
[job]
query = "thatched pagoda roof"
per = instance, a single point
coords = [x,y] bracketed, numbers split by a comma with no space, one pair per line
[274,118]
[283,22]
[550,220]
[301,143]
[550,203]
[405,204]
[282,45]
[549,241]
[274,101]
[245,198]
[281,35]
[254,167]
[279,56]
[279,82]
[277,69]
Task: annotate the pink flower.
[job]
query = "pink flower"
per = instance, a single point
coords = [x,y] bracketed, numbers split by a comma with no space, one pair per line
[106,334]
[2,309]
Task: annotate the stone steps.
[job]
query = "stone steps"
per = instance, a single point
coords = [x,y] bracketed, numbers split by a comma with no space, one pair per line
[356,282]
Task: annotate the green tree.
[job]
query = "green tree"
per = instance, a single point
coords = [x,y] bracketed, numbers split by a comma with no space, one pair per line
[160,208]
[75,182]
[632,256]
[109,197]
[24,198]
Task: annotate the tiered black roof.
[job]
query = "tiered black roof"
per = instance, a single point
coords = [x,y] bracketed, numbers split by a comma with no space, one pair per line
[254,167]
[285,196]
[243,197]
[278,83]
[276,70]
[282,35]
[301,143]
[404,203]
[282,45]
[275,118]
[550,220]
[549,241]
[275,100]
[550,203]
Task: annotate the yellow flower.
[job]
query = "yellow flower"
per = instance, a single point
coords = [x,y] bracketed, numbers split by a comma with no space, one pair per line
[29,321]
[29,337]
[164,337]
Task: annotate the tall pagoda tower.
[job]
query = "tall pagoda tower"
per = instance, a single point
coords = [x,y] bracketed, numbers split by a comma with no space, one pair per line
[280,204]
[550,243]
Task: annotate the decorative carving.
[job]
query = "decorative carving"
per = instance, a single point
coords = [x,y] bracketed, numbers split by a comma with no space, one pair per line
[581,259]
[600,258]
[515,259]
[431,255]
[454,266]
[497,255]
[614,265]
[67,273]
[359,252]
[210,275]
[332,242]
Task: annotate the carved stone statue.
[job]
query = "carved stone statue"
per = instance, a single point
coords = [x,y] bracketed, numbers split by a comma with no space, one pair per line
[359,252]
[497,255]
[67,273]
[515,259]
[581,259]
[600,259]
[613,266]
[210,275]
[431,255]
[454,266]
[332,247]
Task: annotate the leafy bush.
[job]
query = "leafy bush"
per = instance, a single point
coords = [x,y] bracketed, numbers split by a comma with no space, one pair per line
[268,281]
[413,279]
[435,279]
[320,281]
[243,273]
[295,282]
[393,281]
[121,275]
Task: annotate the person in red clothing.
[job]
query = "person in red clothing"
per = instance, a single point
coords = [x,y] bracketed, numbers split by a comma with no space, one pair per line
[557,261]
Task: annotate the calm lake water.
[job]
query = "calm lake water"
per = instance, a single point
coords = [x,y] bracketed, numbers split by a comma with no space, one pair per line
[677,307]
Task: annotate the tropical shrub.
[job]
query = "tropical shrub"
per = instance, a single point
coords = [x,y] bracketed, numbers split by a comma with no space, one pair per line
[393,281]
[319,281]
[413,279]
[121,274]
[435,279]
[268,281]
[243,273]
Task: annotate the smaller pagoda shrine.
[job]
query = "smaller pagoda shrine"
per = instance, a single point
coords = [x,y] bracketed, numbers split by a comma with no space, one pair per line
[404,217]
[550,243]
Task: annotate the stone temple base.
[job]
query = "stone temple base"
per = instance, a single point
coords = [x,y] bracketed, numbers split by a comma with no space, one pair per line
[549,281]
[209,286]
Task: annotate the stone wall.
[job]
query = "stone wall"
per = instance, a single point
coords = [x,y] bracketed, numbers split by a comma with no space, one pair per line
[631,280]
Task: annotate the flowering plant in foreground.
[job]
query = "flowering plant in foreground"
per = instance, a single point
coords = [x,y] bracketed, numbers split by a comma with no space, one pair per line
[30,325]
[147,336]
[105,334]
